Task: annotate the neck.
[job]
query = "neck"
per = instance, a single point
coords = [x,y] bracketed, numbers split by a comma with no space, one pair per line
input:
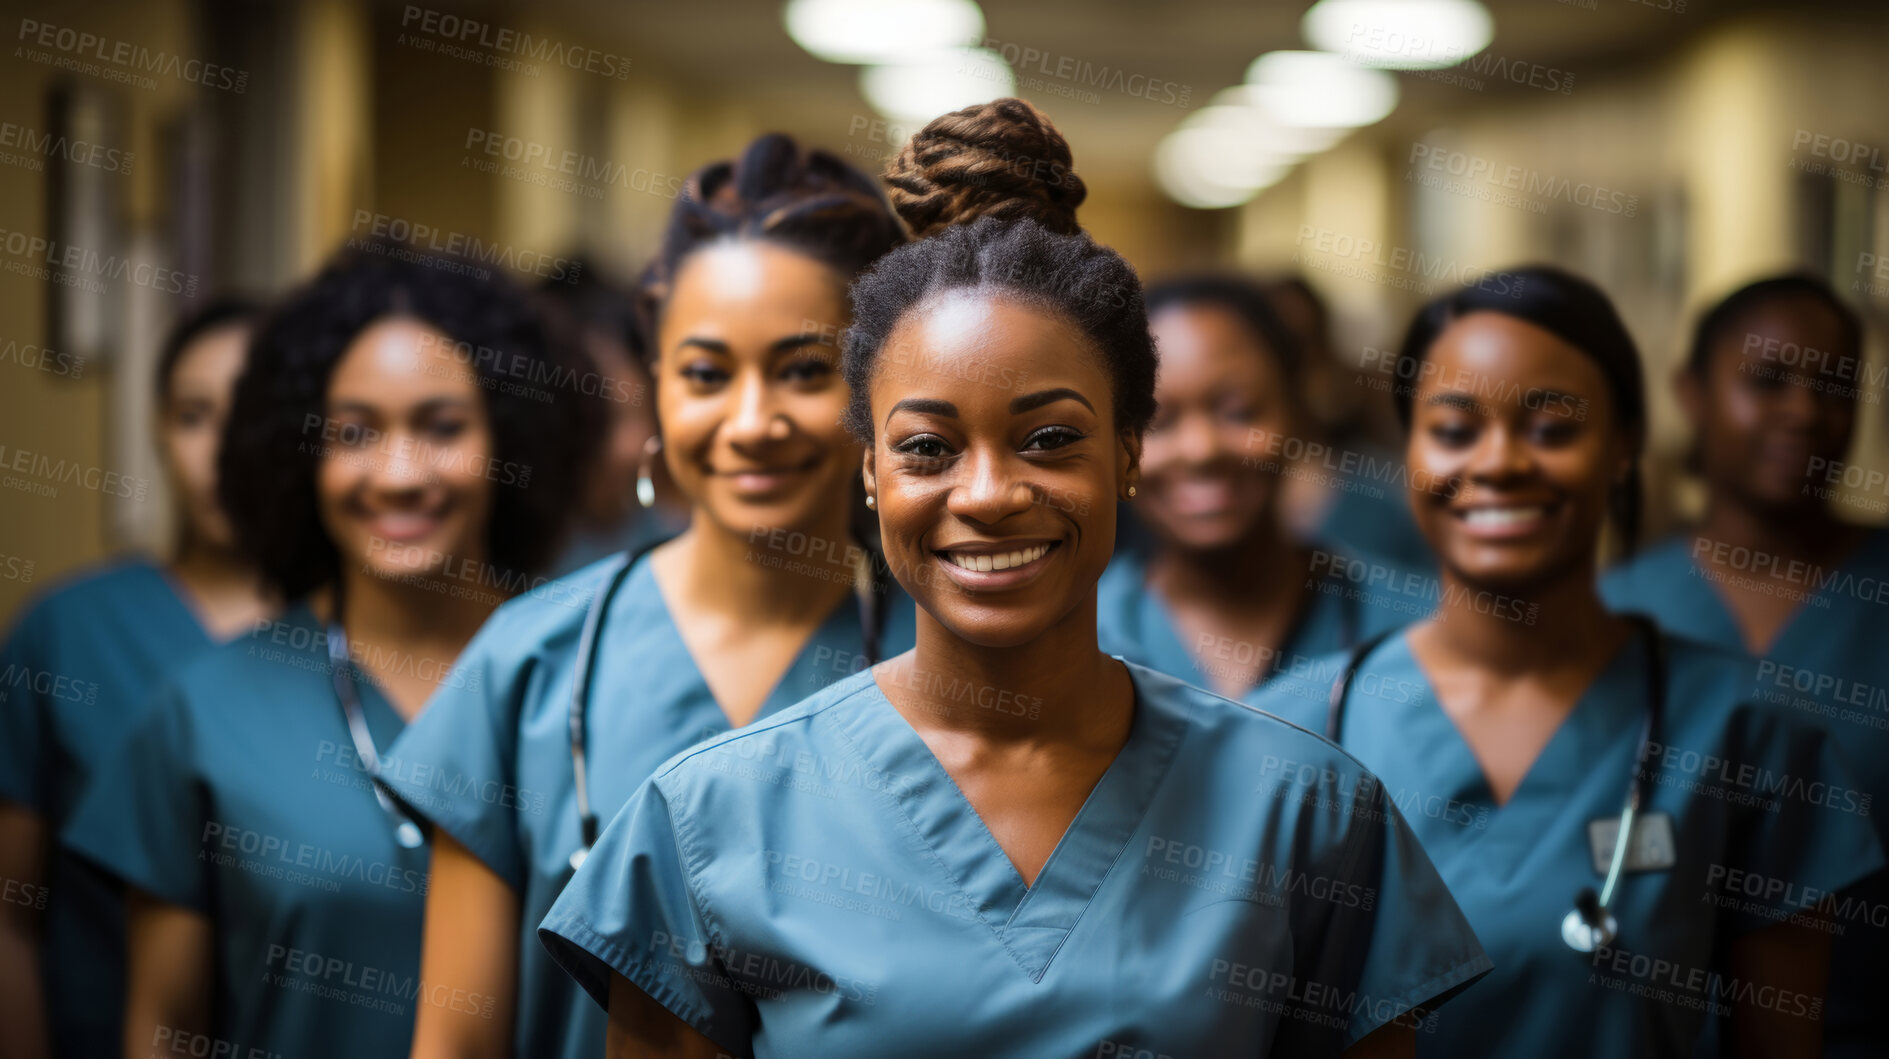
[769,576]
[421,620]
[1493,631]
[1253,573]
[220,585]
[1810,533]
[1047,691]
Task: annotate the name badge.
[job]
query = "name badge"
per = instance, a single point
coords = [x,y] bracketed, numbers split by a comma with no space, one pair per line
[1649,848]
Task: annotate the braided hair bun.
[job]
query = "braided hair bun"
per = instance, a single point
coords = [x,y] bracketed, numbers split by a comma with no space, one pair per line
[1000,159]
[808,201]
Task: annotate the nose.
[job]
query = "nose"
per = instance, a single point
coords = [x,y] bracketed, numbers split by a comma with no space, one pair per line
[1196,442]
[1500,455]
[990,493]
[755,418]
[1799,405]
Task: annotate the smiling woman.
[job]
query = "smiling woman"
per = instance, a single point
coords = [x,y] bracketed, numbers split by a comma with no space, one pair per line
[1005,842]
[394,490]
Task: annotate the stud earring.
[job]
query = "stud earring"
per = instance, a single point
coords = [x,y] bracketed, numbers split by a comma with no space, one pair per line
[646,485]
[1131,492]
[871,504]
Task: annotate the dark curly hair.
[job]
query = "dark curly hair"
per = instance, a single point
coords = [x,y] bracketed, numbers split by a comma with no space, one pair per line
[992,192]
[808,201]
[1573,310]
[1732,310]
[1249,303]
[267,466]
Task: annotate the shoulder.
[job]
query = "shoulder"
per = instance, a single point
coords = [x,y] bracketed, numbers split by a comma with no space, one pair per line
[76,597]
[1225,734]
[1627,578]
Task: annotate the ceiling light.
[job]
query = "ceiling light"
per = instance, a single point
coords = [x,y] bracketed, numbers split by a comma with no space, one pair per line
[1400,34]
[1320,89]
[881,31]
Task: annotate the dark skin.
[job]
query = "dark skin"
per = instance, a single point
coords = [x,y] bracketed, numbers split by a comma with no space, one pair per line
[1760,423]
[1526,422]
[962,471]
[1210,493]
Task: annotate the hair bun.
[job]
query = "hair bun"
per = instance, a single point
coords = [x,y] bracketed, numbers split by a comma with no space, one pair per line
[999,159]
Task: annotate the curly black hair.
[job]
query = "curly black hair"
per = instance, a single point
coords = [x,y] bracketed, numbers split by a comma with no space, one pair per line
[267,466]
[1732,310]
[1248,302]
[991,192]
[1573,310]
[808,201]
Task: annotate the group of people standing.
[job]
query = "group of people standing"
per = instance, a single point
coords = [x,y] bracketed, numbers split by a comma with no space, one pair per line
[965,683]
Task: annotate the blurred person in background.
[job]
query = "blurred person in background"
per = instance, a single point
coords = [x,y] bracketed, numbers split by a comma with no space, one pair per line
[612,517]
[1773,572]
[392,486]
[1335,499]
[961,850]
[770,594]
[77,664]
[1221,595]
[1523,721]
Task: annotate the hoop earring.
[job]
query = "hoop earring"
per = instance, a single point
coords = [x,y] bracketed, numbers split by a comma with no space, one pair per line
[646,485]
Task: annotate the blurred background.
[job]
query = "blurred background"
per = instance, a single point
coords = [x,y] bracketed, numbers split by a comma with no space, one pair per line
[157,152]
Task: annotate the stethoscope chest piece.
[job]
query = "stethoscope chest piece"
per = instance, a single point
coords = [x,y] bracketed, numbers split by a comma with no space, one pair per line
[408,835]
[577,857]
[1583,936]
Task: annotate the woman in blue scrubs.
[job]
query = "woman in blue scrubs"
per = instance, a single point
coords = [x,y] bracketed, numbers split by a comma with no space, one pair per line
[871,870]
[78,662]
[1774,572]
[758,604]
[1221,596]
[1510,726]
[274,896]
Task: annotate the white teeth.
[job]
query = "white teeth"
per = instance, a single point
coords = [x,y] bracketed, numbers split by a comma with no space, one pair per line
[1501,516]
[1000,561]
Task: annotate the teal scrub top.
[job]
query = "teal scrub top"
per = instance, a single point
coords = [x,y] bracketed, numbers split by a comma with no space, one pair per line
[816,884]
[238,796]
[78,665]
[1829,666]
[489,762]
[1349,599]
[1764,821]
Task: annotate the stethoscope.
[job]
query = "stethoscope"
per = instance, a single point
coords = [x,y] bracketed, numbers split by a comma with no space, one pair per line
[1590,925]
[340,670]
[867,590]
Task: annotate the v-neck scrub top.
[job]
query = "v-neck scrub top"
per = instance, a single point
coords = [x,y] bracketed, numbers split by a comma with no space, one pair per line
[75,671]
[238,797]
[489,761]
[1346,601]
[1764,821]
[816,884]
[1829,666]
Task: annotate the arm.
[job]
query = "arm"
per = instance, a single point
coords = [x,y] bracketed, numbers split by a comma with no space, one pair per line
[470,946]
[640,1028]
[170,967]
[1389,1041]
[1789,968]
[23,842]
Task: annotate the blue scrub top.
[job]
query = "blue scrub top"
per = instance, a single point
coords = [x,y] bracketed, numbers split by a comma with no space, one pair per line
[1347,600]
[490,761]
[1765,820]
[1829,666]
[815,884]
[239,797]
[75,670]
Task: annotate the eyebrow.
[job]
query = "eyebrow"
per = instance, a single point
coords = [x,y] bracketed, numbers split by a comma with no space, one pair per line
[925,406]
[1032,401]
[431,404]
[779,345]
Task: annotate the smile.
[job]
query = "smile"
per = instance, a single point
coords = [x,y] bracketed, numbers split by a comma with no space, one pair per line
[997,560]
[1495,517]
